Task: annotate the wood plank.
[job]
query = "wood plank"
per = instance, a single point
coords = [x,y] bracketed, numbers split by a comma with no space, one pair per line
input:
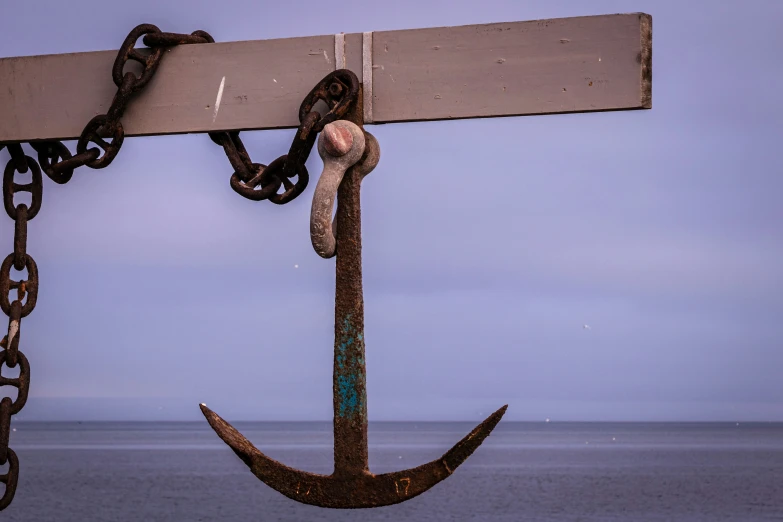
[583,64]
[563,65]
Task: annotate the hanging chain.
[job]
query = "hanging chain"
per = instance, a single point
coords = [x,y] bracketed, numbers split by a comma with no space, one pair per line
[338,90]
[11,356]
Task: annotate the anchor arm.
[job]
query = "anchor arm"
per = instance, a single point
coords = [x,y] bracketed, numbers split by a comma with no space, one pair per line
[351,491]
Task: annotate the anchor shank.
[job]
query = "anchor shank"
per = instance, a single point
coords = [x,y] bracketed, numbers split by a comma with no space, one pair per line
[349,379]
[350,396]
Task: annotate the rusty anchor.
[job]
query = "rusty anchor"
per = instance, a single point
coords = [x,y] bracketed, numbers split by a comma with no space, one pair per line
[349,154]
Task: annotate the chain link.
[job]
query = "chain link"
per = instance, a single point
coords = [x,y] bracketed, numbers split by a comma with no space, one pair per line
[10,479]
[18,157]
[26,297]
[56,160]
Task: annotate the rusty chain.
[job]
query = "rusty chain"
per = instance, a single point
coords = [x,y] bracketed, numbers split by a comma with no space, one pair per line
[338,90]
[55,158]
[19,259]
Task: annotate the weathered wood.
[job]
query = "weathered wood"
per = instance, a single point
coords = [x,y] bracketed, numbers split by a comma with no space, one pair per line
[593,63]
[590,63]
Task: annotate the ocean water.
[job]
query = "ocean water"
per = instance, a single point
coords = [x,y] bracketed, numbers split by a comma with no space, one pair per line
[523,472]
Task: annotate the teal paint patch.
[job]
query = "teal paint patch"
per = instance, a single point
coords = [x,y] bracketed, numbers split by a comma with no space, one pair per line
[350,368]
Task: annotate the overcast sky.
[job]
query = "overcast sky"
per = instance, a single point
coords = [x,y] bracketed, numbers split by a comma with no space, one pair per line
[161,288]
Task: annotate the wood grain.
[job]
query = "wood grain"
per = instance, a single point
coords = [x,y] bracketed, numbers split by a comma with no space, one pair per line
[583,64]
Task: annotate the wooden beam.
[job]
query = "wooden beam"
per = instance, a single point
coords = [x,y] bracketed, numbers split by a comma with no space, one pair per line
[592,63]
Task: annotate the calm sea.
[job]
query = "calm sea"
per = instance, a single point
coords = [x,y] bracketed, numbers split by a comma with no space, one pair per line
[523,472]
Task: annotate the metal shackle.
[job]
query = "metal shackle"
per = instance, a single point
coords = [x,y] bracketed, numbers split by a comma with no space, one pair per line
[341,146]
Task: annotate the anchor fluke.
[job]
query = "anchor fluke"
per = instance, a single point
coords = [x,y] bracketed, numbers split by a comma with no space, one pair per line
[361,490]
[235,440]
[465,448]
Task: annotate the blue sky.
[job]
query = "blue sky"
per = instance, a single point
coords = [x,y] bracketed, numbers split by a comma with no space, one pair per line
[161,288]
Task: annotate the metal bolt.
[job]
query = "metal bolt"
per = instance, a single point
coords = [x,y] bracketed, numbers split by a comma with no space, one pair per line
[335,90]
[338,140]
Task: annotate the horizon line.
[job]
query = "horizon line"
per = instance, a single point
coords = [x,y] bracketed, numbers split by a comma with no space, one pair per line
[159,421]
